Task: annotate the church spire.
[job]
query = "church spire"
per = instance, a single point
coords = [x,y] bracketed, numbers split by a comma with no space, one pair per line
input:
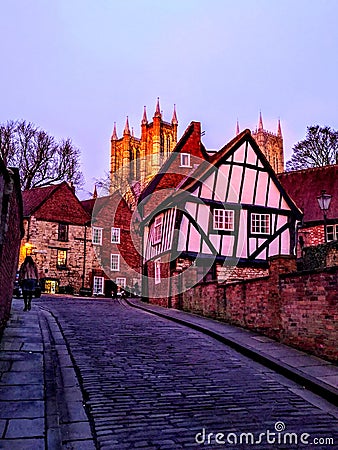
[95,192]
[126,128]
[279,129]
[114,135]
[157,111]
[237,128]
[260,123]
[174,120]
[144,118]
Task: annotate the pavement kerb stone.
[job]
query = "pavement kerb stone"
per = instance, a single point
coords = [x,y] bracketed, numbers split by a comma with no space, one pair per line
[65,411]
[311,383]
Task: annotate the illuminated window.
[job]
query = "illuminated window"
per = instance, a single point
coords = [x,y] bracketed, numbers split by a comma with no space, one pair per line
[61,259]
[332,232]
[115,262]
[97,235]
[98,284]
[223,219]
[63,232]
[157,268]
[185,160]
[157,229]
[260,223]
[115,235]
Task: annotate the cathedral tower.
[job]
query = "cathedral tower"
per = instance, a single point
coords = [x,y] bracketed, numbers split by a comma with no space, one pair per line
[136,160]
[271,145]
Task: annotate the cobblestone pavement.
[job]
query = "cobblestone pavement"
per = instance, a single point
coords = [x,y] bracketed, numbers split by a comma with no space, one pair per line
[149,383]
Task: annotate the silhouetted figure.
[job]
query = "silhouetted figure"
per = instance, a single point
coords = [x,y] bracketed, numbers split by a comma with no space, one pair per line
[28,279]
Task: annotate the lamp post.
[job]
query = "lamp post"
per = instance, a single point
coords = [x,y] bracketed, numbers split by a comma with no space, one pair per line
[324,203]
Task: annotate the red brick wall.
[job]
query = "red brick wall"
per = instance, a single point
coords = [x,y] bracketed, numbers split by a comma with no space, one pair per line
[309,314]
[9,249]
[299,309]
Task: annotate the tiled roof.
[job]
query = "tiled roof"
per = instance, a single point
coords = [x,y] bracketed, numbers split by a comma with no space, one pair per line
[304,186]
[33,198]
[55,203]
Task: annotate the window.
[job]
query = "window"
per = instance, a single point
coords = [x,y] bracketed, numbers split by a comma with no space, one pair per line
[97,236]
[157,229]
[185,160]
[157,269]
[98,285]
[260,223]
[63,232]
[332,232]
[61,259]
[115,262]
[223,219]
[121,282]
[115,235]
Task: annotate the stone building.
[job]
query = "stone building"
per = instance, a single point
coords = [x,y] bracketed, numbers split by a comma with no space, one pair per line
[271,145]
[136,160]
[11,231]
[58,235]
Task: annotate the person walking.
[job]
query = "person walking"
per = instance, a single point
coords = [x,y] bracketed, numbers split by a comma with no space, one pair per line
[28,279]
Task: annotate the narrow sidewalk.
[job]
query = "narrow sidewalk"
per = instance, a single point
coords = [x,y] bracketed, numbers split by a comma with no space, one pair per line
[41,404]
[315,374]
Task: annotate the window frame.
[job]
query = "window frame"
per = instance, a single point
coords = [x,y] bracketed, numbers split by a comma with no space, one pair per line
[123,284]
[334,232]
[253,224]
[61,266]
[118,241]
[231,221]
[118,262]
[157,225]
[102,285]
[182,156]
[62,231]
[100,235]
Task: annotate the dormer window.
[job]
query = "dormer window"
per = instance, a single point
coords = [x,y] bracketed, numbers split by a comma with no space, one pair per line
[185,160]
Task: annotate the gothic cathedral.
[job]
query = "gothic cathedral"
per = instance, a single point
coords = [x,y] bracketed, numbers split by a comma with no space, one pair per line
[135,161]
[139,159]
[271,145]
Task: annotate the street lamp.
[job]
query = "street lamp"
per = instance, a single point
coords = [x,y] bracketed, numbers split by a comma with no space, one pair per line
[324,203]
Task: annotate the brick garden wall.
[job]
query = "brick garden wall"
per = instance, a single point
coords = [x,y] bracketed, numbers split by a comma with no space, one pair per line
[299,309]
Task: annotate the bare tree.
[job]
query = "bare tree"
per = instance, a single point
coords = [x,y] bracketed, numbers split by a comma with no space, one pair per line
[319,148]
[40,158]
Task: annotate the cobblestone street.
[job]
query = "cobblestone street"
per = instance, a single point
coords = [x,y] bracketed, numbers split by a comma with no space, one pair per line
[149,383]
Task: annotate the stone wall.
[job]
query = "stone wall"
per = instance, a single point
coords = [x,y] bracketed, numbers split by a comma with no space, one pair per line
[44,238]
[10,234]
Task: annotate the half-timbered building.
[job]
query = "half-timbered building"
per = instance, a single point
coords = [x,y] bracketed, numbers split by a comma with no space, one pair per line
[224,220]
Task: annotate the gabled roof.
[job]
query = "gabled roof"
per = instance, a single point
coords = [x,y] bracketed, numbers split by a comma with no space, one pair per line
[34,198]
[304,186]
[225,152]
[54,203]
[167,179]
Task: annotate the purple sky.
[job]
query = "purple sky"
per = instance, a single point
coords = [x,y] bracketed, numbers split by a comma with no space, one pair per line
[73,67]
